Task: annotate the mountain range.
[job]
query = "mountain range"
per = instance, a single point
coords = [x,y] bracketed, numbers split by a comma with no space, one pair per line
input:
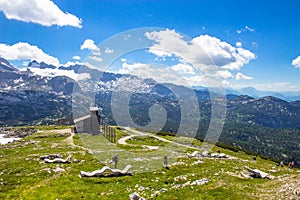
[42,94]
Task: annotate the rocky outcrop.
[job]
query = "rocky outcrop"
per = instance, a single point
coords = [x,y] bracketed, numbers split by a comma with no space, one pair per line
[58,160]
[255,173]
[107,171]
[17,132]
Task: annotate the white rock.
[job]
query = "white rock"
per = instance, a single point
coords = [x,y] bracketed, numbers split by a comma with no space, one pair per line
[58,169]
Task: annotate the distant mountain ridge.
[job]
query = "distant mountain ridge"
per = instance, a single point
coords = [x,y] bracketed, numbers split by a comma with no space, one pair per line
[267,125]
[6,66]
[267,111]
[250,91]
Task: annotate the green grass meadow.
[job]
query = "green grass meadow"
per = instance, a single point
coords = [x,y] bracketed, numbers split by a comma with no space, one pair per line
[24,176]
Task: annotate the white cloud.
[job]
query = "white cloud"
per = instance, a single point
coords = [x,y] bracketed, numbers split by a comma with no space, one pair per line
[296,62]
[195,81]
[249,29]
[25,51]
[223,54]
[183,68]
[245,29]
[131,68]
[91,66]
[43,12]
[76,57]
[240,76]
[161,74]
[225,83]
[89,44]
[225,74]
[58,72]
[238,44]
[69,63]
[61,72]
[107,50]
[167,43]
[96,58]
[203,51]
[123,59]
[212,59]
[96,53]
[176,75]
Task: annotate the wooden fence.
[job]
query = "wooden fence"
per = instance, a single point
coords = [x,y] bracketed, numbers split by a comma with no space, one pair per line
[108,132]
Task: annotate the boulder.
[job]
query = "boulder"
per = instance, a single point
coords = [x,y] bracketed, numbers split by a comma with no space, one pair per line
[255,173]
[135,196]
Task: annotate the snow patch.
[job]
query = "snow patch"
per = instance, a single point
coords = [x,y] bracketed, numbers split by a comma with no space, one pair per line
[3,63]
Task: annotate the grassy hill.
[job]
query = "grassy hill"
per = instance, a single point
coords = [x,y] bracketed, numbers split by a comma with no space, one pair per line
[24,176]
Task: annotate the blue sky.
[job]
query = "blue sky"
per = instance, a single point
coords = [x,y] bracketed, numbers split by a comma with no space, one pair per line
[55,32]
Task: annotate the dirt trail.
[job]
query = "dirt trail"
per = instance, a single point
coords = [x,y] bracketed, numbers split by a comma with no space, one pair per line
[69,139]
[139,133]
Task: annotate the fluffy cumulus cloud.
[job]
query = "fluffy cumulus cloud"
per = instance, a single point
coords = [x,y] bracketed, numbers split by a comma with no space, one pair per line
[133,69]
[183,68]
[89,44]
[204,60]
[240,76]
[296,62]
[223,54]
[169,43]
[206,52]
[225,74]
[96,53]
[25,51]
[43,12]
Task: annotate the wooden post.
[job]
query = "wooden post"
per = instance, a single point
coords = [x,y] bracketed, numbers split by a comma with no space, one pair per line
[109,137]
[103,128]
[110,132]
[114,131]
